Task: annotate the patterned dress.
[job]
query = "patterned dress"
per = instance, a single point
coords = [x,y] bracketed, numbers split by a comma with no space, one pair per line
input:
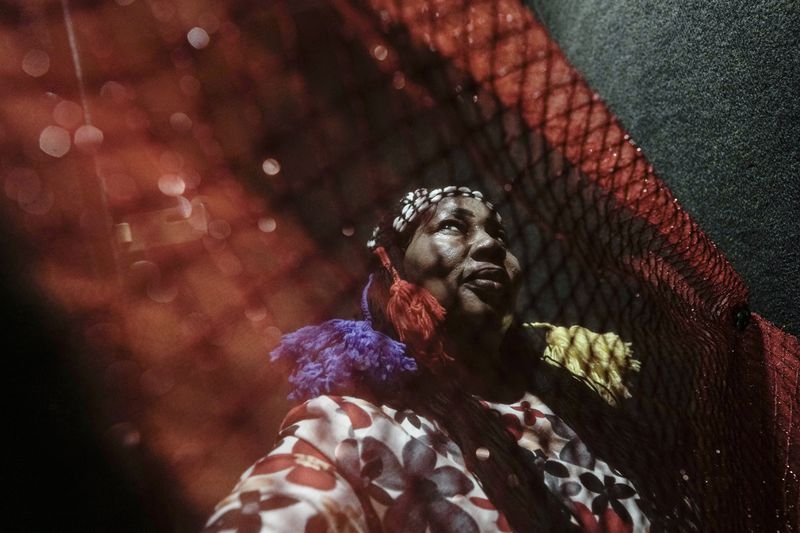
[344,464]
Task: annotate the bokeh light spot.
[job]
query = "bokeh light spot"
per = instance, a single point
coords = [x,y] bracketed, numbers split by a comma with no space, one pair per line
[36,63]
[229,264]
[171,185]
[191,178]
[22,185]
[267,225]
[271,167]
[398,80]
[68,114]
[219,229]
[115,91]
[380,52]
[88,138]
[54,141]
[162,293]
[272,336]
[198,38]
[180,122]
[184,207]
[126,434]
[255,314]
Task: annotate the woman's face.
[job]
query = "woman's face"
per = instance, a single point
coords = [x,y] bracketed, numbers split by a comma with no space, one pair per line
[460,255]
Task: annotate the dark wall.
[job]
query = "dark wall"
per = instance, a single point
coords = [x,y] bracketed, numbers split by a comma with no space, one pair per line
[59,472]
[711,92]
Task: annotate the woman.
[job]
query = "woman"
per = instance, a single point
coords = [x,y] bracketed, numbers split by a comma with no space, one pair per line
[421,416]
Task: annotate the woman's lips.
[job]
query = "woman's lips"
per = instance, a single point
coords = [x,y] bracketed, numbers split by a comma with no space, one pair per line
[490,291]
[485,284]
[489,278]
[489,284]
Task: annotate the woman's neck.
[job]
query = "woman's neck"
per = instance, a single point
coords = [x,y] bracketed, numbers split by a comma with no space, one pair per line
[481,368]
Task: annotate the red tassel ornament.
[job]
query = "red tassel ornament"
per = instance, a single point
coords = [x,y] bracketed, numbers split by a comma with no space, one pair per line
[415,315]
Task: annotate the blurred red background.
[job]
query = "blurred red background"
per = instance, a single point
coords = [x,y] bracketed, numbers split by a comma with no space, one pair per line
[186,180]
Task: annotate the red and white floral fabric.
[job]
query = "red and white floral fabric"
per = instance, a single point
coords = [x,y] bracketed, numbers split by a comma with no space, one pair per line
[345,464]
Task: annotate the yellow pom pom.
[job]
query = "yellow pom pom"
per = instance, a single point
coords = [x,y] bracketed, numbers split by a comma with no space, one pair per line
[601,360]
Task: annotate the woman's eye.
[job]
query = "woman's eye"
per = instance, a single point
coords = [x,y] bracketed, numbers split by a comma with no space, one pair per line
[451,225]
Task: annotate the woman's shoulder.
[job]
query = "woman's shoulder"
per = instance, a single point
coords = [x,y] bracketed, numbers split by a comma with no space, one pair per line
[344,411]
[364,460]
[331,419]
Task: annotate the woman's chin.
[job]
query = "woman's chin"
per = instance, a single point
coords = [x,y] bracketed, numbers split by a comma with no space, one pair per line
[478,311]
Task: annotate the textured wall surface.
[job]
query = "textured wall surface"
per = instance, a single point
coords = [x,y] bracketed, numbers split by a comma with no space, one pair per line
[709,90]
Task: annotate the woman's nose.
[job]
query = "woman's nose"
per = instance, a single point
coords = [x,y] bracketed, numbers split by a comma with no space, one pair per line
[485,247]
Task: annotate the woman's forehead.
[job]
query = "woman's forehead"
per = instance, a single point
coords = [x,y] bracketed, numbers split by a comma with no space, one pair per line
[465,208]
[418,208]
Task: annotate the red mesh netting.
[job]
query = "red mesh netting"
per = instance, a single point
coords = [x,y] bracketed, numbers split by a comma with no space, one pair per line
[248,148]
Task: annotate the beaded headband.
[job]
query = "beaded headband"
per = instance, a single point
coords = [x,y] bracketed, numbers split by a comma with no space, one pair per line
[415,203]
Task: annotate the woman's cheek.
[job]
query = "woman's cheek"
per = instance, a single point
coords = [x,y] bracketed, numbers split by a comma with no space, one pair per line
[514,270]
[441,290]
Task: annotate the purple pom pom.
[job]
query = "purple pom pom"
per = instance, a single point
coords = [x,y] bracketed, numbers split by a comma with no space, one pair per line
[337,355]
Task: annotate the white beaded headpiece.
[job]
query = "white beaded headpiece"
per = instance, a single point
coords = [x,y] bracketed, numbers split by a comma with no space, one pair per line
[415,203]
